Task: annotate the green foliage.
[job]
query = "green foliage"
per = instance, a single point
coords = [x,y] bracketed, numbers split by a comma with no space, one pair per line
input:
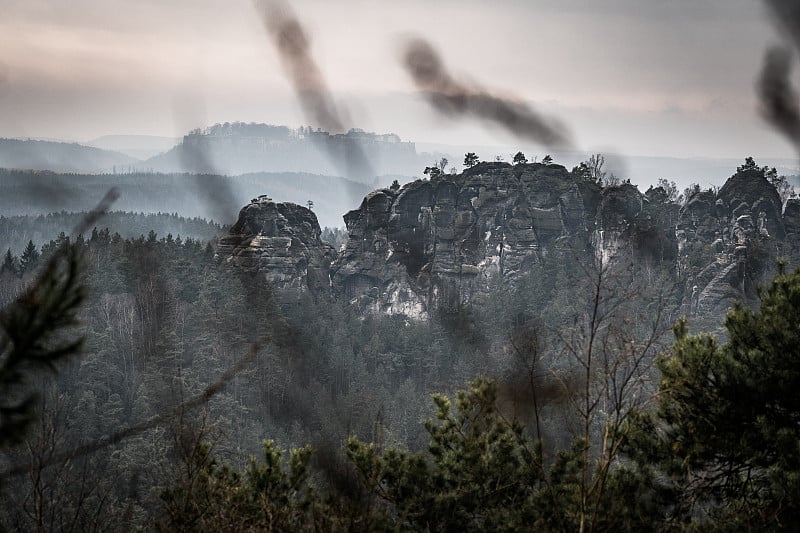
[671,190]
[547,160]
[438,169]
[729,416]
[34,335]
[433,172]
[29,258]
[582,171]
[749,164]
[16,231]
[519,159]
[483,473]
[781,184]
[270,496]
[10,264]
[479,475]
[471,159]
[591,169]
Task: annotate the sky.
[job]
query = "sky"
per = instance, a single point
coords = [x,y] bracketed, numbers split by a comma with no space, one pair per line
[639,77]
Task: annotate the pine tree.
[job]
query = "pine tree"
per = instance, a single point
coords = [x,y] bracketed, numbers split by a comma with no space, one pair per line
[482,472]
[728,424]
[471,159]
[32,338]
[10,263]
[30,257]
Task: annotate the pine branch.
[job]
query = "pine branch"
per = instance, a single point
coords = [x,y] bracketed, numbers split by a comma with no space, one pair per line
[35,330]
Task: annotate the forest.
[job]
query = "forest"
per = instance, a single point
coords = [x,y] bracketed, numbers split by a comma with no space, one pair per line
[515,346]
[174,391]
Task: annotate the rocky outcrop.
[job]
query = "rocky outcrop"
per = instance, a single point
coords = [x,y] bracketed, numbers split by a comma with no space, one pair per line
[281,242]
[627,220]
[728,242]
[439,242]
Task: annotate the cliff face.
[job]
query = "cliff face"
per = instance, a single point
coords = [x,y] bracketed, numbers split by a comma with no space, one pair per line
[728,241]
[281,242]
[439,243]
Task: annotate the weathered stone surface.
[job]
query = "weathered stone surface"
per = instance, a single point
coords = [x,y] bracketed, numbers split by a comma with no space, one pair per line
[729,240]
[439,243]
[281,242]
[750,187]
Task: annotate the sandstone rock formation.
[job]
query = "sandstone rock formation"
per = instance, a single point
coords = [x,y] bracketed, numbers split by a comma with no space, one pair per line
[440,243]
[728,242]
[281,242]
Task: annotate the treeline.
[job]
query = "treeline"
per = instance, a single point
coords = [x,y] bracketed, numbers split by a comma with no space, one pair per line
[16,231]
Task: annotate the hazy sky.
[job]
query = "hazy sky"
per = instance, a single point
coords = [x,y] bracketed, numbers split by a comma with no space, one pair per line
[646,77]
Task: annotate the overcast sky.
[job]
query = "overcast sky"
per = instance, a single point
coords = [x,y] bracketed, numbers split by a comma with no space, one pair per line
[642,77]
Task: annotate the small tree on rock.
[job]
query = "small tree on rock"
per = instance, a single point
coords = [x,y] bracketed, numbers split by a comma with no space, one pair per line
[520,159]
[433,172]
[749,164]
[471,159]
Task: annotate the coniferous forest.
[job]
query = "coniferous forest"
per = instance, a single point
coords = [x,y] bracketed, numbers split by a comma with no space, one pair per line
[209,324]
[198,399]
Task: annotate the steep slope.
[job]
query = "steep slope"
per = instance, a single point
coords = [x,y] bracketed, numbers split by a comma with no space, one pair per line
[729,241]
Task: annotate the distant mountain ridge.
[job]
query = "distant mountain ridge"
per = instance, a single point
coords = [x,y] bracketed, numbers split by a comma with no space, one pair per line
[60,157]
[190,195]
[235,148]
[138,146]
[239,148]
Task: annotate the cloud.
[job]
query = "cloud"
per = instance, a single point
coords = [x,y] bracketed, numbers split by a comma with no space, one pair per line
[456,98]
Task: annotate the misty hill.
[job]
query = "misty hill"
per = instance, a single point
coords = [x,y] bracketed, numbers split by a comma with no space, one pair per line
[60,157]
[138,146]
[239,148]
[190,195]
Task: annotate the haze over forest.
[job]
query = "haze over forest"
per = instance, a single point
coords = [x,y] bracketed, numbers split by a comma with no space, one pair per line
[428,266]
